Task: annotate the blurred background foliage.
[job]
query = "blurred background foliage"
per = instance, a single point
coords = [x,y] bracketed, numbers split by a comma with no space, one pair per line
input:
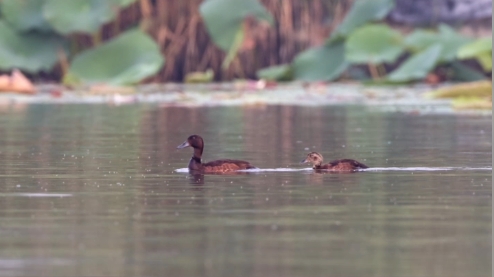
[124,42]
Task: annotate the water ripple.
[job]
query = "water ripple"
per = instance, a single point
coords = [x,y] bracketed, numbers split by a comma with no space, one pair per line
[186,170]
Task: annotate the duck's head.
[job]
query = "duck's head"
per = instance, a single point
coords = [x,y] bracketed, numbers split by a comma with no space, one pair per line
[193,141]
[314,158]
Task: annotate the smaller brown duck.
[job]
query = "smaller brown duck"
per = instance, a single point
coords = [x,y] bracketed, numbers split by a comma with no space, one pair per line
[218,166]
[316,160]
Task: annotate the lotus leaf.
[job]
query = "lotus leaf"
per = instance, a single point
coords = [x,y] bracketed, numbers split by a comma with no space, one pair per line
[362,11]
[81,15]
[374,44]
[420,39]
[475,48]
[31,52]
[485,61]
[25,15]
[224,18]
[447,37]
[279,73]
[232,52]
[126,59]
[123,3]
[481,49]
[417,66]
[451,41]
[322,63]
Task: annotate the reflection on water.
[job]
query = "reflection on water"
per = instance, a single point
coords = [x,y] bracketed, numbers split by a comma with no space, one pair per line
[93,191]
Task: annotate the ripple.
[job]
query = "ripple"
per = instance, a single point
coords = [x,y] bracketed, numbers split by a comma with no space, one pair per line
[40,194]
[424,168]
[379,169]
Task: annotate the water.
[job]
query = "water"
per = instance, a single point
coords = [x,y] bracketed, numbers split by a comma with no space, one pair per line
[92,190]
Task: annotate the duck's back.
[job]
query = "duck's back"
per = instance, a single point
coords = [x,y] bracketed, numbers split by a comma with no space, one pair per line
[226,165]
[343,165]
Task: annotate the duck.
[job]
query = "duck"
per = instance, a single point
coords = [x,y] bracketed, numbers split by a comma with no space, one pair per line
[217,166]
[316,160]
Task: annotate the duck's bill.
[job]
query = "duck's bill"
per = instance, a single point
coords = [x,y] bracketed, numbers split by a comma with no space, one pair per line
[183,145]
[304,161]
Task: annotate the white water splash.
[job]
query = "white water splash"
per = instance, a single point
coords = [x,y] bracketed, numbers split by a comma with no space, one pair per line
[281,169]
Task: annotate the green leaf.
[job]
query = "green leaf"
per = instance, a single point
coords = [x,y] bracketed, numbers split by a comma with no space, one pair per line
[451,41]
[362,11]
[420,39]
[418,66]
[475,48]
[448,38]
[232,52]
[123,3]
[31,52]
[374,44]
[80,15]
[322,63]
[224,18]
[126,59]
[480,49]
[485,61]
[279,73]
[25,15]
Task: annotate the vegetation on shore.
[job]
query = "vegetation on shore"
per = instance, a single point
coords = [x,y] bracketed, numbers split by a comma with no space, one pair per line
[130,41]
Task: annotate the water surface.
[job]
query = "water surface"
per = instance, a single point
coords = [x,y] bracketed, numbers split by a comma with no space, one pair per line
[92,190]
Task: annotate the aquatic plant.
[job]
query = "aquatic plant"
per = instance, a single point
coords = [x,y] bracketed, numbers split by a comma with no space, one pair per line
[233,38]
[36,35]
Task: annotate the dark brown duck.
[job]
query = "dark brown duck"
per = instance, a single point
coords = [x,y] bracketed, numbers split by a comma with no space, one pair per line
[218,166]
[316,160]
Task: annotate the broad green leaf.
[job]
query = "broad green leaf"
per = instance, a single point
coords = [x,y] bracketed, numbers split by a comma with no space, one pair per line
[232,52]
[323,63]
[448,38]
[223,18]
[418,66]
[420,39]
[475,48]
[374,44]
[279,73]
[126,59]
[485,61]
[25,15]
[123,3]
[80,15]
[451,41]
[31,52]
[362,11]
[480,49]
